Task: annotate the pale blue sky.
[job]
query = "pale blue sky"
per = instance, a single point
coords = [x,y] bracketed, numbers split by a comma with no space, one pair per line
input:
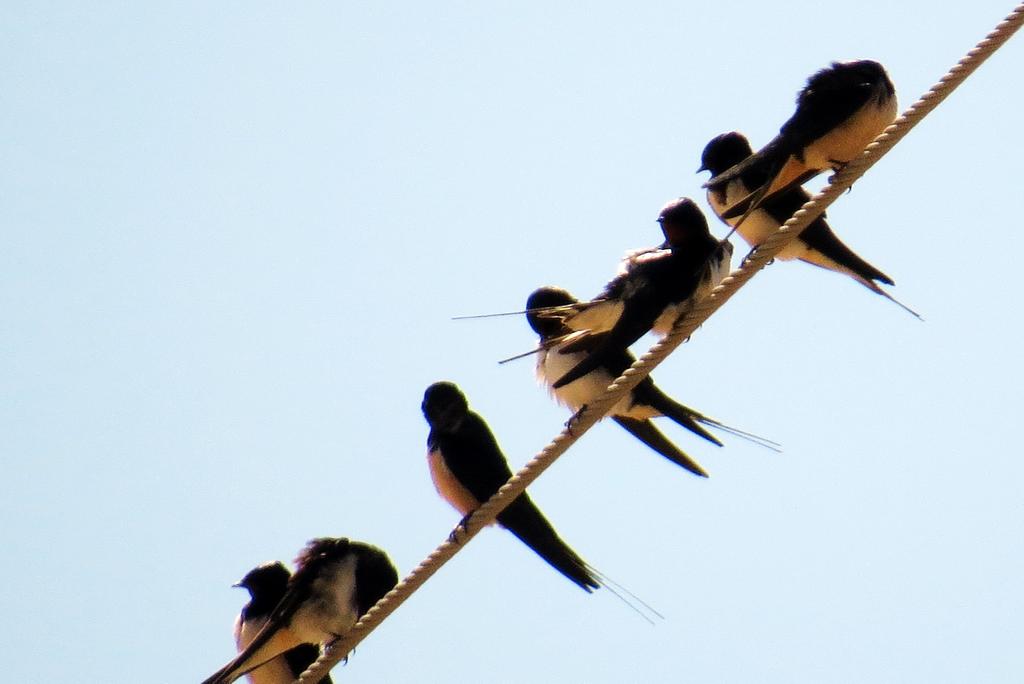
[234,236]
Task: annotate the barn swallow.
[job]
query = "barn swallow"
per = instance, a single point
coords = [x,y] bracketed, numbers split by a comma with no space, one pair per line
[653,288]
[335,582]
[838,113]
[266,585]
[560,349]
[468,467]
[816,245]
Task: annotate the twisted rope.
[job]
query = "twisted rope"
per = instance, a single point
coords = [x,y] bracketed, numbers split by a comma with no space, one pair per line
[683,328]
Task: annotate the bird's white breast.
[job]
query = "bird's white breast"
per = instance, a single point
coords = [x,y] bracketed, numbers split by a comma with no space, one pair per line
[553,364]
[331,609]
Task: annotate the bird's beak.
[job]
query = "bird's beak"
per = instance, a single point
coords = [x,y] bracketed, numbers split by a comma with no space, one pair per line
[238,584]
[702,168]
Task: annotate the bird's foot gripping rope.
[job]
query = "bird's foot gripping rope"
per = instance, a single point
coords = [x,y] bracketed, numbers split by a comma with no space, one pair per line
[683,328]
[460,530]
[570,425]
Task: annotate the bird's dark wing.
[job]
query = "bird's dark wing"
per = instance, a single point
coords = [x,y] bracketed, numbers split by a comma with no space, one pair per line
[638,315]
[760,195]
[626,332]
[757,169]
[819,236]
[273,640]
[649,394]
[645,431]
[474,458]
[375,576]
[523,519]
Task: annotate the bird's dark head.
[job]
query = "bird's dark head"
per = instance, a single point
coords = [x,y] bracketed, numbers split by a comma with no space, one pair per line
[723,152]
[323,549]
[873,73]
[547,323]
[850,76]
[683,223]
[266,579]
[444,405]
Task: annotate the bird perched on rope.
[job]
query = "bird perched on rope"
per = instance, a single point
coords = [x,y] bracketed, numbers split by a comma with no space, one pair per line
[468,467]
[653,287]
[816,245]
[266,585]
[335,582]
[838,113]
[561,349]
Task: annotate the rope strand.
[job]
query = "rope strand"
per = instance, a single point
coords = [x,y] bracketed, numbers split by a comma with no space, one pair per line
[683,328]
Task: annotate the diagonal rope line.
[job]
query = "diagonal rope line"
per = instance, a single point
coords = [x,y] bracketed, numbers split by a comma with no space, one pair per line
[683,328]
